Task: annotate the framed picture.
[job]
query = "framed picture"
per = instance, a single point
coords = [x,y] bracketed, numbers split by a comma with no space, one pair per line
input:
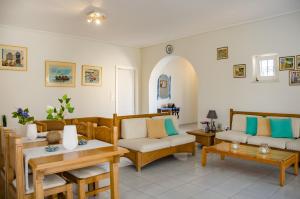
[13,58]
[222,53]
[239,71]
[298,62]
[294,78]
[287,63]
[91,75]
[163,84]
[164,87]
[60,74]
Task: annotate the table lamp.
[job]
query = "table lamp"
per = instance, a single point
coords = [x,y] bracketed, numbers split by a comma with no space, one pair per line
[212,115]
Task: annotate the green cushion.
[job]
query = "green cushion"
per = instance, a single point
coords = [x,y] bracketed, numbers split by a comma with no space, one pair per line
[169,126]
[251,125]
[281,128]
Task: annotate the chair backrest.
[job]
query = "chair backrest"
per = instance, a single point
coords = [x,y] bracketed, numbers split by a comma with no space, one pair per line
[15,165]
[106,134]
[50,125]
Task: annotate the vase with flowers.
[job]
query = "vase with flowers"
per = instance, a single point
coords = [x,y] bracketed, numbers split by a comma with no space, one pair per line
[26,120]
[58,113]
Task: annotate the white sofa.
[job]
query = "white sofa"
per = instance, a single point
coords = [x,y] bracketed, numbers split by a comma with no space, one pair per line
[143,150]
[238,127]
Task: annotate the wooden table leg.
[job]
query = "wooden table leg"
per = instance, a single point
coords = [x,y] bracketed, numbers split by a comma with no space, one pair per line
[38,185]
[203,156]
[296,166]
[282,175]
[114,178]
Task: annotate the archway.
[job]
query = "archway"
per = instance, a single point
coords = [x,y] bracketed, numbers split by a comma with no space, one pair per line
[184,87]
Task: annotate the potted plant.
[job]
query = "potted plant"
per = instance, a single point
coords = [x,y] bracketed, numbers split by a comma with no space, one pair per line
[26,120]
[54,113]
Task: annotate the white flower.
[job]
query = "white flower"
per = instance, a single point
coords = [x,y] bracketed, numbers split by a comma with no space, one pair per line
[50,108]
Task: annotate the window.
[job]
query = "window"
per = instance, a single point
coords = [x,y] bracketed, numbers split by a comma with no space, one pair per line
[265,68]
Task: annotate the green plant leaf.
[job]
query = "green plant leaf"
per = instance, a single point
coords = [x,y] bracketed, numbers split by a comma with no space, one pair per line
[60,100]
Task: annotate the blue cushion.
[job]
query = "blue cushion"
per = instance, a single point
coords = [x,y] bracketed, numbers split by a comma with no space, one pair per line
[281,128]
[169,126]
[251,125]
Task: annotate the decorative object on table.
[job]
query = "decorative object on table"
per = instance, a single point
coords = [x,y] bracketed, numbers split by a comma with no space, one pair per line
[70,139]
[294,78]
[298,62]
[82,142]
[53,137]
[31,132]
[264,149]
[169,49]
[50,148]
[60,74]
[206,128]
[91,75]
[13,58]
[239,71]
[164,87]
[54,113]
[235,145]
[170,107]
[222,53]
[212,115]
[287,63]
[25,119]
[4,121]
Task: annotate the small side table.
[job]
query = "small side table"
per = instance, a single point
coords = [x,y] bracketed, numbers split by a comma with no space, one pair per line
[205,139]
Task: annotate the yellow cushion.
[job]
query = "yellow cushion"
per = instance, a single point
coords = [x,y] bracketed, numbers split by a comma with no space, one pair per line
[156,128]
[263,127]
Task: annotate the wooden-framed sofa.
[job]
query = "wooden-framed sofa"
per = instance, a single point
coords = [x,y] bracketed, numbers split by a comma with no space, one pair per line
[238,126]
[143,150]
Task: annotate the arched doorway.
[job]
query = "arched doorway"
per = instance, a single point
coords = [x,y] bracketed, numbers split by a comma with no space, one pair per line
[183,91]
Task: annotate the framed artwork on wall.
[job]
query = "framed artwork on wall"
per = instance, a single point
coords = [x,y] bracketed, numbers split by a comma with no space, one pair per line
[239,71]
[294,78]
[164,87]
[91,75]
[298,62]
[13,58]
[287,63]
[60,74]
[222,53]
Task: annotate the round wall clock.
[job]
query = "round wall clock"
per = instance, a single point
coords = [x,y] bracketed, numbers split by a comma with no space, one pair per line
[169,49]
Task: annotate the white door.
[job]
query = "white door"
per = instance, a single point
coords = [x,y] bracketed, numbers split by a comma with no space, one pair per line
[125,91]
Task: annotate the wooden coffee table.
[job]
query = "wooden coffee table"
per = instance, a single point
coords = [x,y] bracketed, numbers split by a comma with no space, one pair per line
[281,159]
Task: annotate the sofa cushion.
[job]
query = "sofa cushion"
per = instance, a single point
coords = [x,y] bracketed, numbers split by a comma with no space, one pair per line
[233,136]
[293,145]
[156,128]
[279,143]
[134,128]
[295,125]
[263,127]
[239,122]
[251,125]
[144,144]
[176,140]
[169,127]
[281,128]
[175,120]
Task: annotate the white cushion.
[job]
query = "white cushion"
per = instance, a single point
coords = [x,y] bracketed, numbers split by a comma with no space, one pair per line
[239,122]
[295,126]
[279,143]
[233,136]
[174,118]
[144,144]
[90,171]
[49,181]
[176,140]
[134,128]
[293,145]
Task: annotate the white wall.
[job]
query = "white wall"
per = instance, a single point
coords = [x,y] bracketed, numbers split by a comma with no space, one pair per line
[27,89]
[217,88]
[183,87]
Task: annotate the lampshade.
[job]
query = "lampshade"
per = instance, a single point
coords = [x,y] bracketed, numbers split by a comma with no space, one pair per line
[212,114]
[70,139]
[31,132]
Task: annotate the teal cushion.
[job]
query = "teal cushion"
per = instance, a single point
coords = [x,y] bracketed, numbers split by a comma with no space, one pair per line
[251,125]
[169,126]
[281,128]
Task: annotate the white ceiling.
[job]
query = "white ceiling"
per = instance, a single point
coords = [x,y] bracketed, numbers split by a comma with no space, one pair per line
[139,23]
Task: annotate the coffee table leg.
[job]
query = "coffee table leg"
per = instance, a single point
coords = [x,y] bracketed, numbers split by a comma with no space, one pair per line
[296,168]
[203,156]
[282,175]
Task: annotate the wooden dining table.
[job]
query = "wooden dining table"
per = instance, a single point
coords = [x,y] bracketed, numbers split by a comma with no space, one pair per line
[74,160]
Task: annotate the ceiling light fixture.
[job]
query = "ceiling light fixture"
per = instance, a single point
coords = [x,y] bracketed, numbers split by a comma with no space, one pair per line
[95,18]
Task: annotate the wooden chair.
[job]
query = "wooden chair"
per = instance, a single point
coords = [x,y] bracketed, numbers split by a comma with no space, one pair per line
[91,176]
[15,174]
[50,125]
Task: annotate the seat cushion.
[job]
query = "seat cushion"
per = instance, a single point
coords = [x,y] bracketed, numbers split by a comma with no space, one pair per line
[279,143]
[134,128]
[144,144]
[90,171]
[156,128]
[50,181]
[176,140]
[233,136]
[293,145]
